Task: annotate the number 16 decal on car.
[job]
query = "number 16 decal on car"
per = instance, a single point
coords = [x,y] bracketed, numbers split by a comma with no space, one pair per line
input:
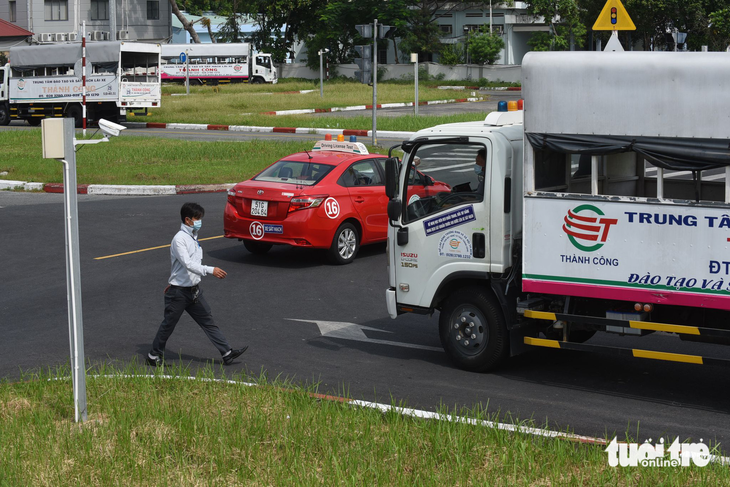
[332,208]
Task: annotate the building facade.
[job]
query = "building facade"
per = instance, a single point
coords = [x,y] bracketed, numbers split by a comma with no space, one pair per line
[60,20]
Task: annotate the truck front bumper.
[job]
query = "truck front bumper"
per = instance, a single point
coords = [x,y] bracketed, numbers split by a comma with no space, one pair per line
[390,302]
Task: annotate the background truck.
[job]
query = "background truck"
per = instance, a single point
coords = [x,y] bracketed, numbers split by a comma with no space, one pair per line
[603,207]
[46,81]
[217,62]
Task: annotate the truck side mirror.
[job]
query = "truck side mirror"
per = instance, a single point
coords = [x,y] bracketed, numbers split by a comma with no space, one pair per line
[391,177]
[394,209]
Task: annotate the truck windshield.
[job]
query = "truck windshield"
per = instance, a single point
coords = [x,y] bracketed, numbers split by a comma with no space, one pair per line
[444,176]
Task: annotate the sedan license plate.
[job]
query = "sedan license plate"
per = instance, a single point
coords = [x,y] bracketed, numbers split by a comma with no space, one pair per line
[259,208]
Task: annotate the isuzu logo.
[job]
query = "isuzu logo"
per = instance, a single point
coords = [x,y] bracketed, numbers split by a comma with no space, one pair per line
[586,228]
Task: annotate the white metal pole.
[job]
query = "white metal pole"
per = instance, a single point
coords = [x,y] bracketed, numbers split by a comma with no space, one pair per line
[415,75]
[594,174]
[187,72]
[83,75]
[660,182]
[321,76]
[375,81]
[73,273]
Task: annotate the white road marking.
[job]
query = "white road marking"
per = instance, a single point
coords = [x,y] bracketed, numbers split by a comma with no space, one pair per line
[354,332]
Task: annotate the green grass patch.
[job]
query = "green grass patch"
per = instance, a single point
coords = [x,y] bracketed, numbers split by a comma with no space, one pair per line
[149,160]
[243,104]
[144,160]
[157,431]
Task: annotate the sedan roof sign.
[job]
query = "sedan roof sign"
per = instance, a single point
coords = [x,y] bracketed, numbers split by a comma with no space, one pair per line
[332,145]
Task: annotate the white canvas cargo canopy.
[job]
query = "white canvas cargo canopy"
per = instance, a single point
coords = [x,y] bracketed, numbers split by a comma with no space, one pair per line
[591,105]
[68,54]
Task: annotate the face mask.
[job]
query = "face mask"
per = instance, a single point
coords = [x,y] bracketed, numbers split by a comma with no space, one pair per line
[478,169]
[197,224]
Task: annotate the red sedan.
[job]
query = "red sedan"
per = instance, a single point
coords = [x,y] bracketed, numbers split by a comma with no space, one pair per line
[332,198]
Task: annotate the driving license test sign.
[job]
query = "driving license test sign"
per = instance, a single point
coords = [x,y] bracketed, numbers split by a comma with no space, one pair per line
[614,17]
[671,254]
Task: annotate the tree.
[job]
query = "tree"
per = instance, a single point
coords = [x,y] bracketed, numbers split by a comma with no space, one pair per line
[452,54]
[563,17]
[187,25]
[720,27]
[485,46]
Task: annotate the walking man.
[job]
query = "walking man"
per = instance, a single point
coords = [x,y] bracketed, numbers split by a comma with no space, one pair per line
[184,293]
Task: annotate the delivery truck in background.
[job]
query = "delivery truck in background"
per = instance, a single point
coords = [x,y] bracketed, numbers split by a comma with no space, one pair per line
[217,63]
[603,207]
[46,81]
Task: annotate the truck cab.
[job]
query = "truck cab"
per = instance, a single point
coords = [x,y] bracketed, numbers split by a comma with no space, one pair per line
[603,207]
[4,108]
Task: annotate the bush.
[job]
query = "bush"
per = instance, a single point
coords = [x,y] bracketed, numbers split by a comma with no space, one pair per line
[452,54]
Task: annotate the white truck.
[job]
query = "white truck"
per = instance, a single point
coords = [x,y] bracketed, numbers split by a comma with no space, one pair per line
[217,62]
[604,206]
[46,81]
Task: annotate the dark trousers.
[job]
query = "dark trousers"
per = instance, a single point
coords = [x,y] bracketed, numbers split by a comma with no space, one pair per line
[177,300]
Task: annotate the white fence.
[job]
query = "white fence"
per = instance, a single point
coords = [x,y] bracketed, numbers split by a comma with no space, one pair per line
[508,73]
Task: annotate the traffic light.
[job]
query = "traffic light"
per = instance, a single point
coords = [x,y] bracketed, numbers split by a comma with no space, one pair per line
[385,31]
[365,63]
[365,30]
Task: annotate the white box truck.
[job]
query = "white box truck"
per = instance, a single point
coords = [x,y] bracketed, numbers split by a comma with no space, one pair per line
[46,81]
[217,63]
[604,206]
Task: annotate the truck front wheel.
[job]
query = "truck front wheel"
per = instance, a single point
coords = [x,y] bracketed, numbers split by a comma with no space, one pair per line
[473,331]
[4,115]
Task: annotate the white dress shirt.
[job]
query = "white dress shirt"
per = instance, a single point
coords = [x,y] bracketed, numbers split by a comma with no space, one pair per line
[186,258]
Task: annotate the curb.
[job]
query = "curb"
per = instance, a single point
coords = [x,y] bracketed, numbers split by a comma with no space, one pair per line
[118,189]
[370,107]
[484,88]
[256,129]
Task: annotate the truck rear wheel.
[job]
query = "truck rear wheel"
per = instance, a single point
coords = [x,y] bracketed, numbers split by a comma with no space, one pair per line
[4,115]
[473,331]
[74,111]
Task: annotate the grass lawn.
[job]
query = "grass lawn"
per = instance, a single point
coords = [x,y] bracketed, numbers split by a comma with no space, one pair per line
[243,104]
[161,431]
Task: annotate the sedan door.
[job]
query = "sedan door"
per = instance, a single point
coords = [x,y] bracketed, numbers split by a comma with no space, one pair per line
[364,182]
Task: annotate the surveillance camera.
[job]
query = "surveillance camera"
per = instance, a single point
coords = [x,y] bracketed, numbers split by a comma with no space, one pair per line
[110,129]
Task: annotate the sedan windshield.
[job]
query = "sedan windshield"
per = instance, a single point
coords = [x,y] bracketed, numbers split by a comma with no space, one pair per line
[295,172]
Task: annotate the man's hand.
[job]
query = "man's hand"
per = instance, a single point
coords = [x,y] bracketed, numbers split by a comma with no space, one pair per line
[219,273]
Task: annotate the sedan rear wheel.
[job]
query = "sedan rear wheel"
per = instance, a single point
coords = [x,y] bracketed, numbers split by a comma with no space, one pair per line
[345,244]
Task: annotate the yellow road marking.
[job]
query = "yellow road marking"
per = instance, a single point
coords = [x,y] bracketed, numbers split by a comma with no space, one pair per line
[541,342]
[151,248]
[540,315]
[671,357]
[645,325]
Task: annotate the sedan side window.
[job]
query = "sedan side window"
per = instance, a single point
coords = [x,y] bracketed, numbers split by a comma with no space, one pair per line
[362,173]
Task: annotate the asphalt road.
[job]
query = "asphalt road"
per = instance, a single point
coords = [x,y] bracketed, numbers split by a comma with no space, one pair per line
[398,360]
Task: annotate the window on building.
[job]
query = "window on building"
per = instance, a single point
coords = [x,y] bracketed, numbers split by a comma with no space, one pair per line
[99,9]
[474,14]
[13,12]
[446,30]
[56,9]
[153,10]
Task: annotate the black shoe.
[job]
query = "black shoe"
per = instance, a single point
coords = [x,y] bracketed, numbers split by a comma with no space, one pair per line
[155,361]
[233,355]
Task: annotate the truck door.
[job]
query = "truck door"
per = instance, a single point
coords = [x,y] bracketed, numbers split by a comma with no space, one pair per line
[442,233]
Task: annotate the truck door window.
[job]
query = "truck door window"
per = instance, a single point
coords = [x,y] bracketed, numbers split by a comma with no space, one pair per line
[442,176]
[263,61]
